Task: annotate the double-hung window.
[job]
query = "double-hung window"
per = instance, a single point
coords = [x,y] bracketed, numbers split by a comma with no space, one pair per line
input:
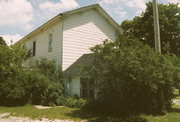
[50,43]
[34,48]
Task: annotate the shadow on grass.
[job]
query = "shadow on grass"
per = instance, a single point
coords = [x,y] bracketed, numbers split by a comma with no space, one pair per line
[92,117]
[175,110]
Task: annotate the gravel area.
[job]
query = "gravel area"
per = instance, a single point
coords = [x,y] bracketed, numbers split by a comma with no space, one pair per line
[177,102]
[44,107]
[7,118]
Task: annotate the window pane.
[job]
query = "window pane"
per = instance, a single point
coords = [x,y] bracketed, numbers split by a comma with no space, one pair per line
[84,83]
[84,93]
[91,84]
[34,48]
[50,43]
[91,94]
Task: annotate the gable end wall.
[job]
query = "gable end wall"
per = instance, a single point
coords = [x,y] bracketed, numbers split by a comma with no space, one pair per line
[82,31]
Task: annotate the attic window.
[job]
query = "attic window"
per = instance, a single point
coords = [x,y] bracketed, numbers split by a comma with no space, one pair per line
[50,43]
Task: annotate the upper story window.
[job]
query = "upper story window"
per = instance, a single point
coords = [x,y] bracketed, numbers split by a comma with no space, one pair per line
[50,43]
[34,48]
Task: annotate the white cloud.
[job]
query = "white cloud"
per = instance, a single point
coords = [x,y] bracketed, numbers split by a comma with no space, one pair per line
[108,1]
[173,1]
[28,27]
[122,7]
[11,39]
[140,4]
[14,12]
[50,8]
[120,11]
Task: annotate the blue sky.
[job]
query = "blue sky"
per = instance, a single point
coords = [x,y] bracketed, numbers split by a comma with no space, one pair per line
[20,17]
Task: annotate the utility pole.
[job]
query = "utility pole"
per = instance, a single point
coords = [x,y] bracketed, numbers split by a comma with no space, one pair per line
[156,28]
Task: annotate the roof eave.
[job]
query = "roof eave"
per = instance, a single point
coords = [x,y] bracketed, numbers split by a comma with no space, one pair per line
[59,16]
[41,28]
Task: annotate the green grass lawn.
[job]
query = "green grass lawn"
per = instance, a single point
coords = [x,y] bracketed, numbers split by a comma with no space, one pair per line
[178,98]
[173,116]
[78,115]
[176,92]
[50,113]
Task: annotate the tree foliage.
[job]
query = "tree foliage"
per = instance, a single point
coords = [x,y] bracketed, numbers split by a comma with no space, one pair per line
[141,27]
[20,85]
[11,84]
[130,77]
[2,42]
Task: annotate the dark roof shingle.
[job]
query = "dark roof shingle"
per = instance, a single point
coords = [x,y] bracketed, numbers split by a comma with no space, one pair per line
[75,68]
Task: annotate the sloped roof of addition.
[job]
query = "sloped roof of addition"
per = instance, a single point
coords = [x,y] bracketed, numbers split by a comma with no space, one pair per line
[60,17]
[76,67]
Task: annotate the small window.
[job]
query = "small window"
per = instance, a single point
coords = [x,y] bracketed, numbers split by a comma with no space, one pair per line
[50,43]
[34,48]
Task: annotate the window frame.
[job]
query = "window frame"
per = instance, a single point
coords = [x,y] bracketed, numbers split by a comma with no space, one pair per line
[50,41]
[87,89]
[34,48]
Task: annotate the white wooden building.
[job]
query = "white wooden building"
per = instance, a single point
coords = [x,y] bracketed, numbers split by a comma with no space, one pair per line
[69,35]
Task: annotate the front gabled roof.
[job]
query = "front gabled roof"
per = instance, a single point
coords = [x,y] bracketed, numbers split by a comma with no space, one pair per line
[64,14]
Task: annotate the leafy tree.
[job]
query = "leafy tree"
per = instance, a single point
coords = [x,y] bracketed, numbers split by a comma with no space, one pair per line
[130,77]
[176,61]
[48,85]
[53,93]
[141,27]
[49,69]
[20,85]
[11,73]
[2,42]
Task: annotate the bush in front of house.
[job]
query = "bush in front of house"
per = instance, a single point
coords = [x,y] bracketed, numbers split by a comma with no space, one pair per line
[21,85]
[42,90]
[48,68]
[131,78]
[176,61]
[12,90]
[74,102]
[52,95]
[52,87]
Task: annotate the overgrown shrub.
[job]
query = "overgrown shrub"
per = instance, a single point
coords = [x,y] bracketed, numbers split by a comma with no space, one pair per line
[19,85]
[52,95]
[131,78]
[12,90]
[36,85]
[48,68]
[176,61]
[52,85]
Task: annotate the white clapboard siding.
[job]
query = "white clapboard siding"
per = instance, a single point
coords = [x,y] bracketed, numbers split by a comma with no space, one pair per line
[42,43]
[82,31]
